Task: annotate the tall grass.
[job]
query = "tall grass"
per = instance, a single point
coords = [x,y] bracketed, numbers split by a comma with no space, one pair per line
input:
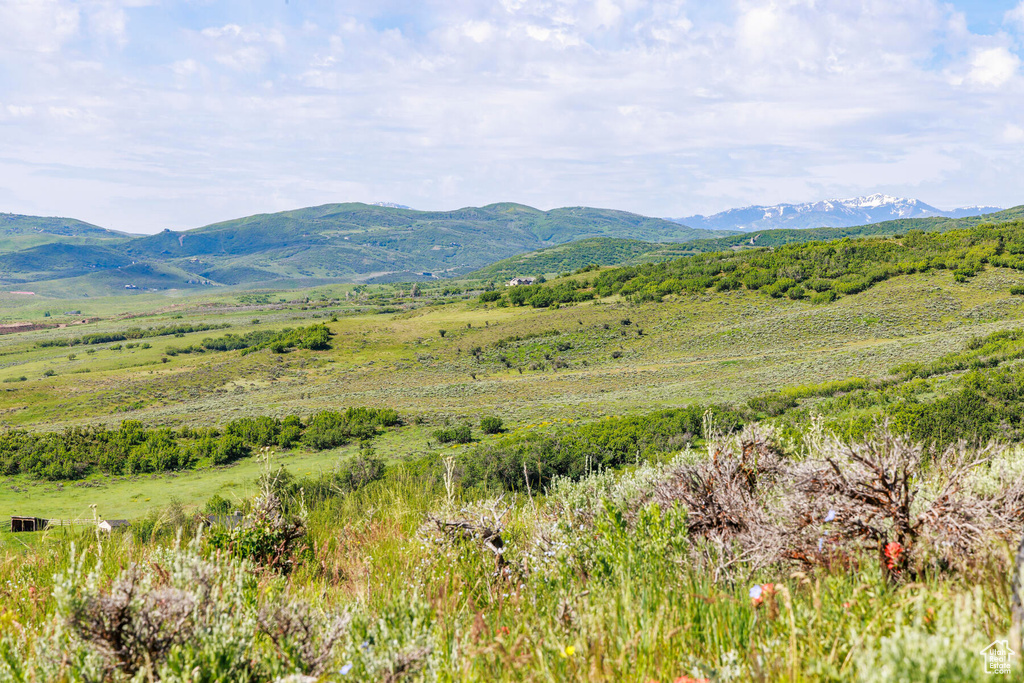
[591,580]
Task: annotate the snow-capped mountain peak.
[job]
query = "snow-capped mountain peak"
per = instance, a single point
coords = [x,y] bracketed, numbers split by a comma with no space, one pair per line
[835,213]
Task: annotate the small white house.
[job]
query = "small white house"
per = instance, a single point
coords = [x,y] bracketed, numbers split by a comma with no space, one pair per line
[520,281]
[109,525]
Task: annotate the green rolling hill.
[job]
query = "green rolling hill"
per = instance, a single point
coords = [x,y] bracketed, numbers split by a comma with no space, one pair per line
[19,232]
[363,243]
[334,242]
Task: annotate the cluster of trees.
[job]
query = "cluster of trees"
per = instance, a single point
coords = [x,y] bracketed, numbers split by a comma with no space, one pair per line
[537,296]
[531,459]
[981,352]
[316,337]
[133,333]
[819,271]
[974,394]
[134,449]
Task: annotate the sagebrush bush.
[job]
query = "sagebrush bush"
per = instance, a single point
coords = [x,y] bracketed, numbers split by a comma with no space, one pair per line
[462,433]
[489,424]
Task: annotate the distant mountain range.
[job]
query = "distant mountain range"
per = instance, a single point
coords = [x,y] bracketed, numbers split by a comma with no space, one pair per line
[335,242]
[372,243]
[831,213]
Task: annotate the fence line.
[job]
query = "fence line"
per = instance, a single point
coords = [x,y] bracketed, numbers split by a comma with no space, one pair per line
[69,522]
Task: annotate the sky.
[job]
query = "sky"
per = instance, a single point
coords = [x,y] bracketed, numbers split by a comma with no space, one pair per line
[141,115]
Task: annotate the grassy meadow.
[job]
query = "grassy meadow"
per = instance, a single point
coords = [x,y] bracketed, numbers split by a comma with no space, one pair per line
[717,347]
[410,556]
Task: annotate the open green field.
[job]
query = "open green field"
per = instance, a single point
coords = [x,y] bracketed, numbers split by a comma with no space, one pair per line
[526,365]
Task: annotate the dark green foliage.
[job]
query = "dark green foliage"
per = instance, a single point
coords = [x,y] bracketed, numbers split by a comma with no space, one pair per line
[269,536]
[543,297]
[291,431]
[313,338]
[330,428]
[457,434]
[132,333]
[578,450]
[218,505]
[316,337]
[780,401]
[357,472]
[830,269]
[489,424]
[231,448]
[582,256]
[493,295]
[232,342]
[133,449]
[934,403]
[981,352]
[259,431]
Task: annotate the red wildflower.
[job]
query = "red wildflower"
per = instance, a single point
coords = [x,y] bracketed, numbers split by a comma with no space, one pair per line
[688,679]
[892,552]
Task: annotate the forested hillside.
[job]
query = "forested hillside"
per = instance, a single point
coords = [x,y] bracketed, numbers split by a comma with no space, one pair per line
[819,271]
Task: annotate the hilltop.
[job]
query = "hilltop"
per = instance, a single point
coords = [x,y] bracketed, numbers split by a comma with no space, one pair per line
[334,242]
[19,232]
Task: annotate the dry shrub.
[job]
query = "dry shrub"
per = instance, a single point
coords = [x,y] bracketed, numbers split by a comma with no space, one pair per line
[485,531]
[913,509]
[875,496]
[729,499]
[133,624]
[306,640]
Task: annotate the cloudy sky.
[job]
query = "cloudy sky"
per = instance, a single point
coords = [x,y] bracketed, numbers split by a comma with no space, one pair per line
[142,115]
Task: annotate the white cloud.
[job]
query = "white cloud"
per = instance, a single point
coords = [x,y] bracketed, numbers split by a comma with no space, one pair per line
[609,14]
[185,67]
[758,28]
[20,110]
[478,31]
[37,25]
[993,67]
[1015,17]
[1013,133]
[651,106]
[108,21]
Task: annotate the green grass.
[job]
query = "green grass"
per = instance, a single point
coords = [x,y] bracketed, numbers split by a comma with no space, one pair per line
[721,347]
[621,597]
[601,587]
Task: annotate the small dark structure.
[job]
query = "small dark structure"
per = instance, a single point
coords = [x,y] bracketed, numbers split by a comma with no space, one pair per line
[227,521]
[28,523]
